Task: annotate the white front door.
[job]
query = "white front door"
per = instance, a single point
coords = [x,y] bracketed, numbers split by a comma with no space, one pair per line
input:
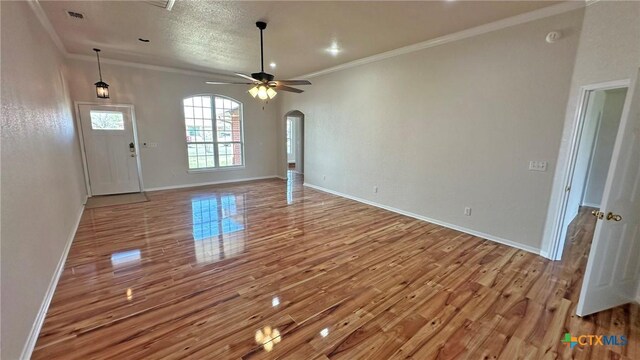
[109,146]
[613,269]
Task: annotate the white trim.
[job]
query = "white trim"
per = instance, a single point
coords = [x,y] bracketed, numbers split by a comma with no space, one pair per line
[430,220]
[181,186]
[30,344]
[564,172]
[44,20]
[464,34]
[590,205]
[169,69]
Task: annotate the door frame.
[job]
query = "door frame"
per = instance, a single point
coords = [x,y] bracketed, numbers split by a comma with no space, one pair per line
[85,167]
[300,133]
[558,234]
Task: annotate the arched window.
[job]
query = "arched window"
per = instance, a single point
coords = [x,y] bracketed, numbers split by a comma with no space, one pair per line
[213,127]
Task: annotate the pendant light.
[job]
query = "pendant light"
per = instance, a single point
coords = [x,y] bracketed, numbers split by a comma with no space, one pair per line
[102,88]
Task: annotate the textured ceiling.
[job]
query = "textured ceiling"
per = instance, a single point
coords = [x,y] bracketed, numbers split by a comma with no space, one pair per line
[222,37]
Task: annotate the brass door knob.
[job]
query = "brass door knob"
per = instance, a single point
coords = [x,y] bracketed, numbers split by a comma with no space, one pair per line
[597,213]
[614,217]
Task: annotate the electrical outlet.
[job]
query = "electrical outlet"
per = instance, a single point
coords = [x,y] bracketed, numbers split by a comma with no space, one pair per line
[467,211]
[375,189]
[537,165]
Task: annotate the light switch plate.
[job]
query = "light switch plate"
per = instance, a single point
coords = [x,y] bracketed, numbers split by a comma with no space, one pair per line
[538,165]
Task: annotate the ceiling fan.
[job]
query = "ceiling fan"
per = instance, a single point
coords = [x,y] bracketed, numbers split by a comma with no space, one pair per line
[264,84]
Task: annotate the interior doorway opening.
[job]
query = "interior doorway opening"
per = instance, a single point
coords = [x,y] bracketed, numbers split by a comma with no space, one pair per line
[599,124]
[294,143]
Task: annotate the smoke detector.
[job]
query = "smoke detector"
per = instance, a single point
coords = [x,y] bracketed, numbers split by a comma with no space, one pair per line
[553,36]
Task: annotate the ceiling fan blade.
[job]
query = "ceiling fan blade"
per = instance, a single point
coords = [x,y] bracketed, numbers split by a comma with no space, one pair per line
[287,88]
[227,83]
[248,78]
[292,82]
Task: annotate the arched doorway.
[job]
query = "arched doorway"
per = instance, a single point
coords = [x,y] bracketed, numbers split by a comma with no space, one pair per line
[294,142]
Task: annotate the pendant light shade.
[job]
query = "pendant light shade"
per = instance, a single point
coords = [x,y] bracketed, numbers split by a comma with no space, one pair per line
[102,88]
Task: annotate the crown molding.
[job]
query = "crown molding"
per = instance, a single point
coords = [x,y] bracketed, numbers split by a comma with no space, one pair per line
[478,30]
[464,34]
[174,70]
[44,20]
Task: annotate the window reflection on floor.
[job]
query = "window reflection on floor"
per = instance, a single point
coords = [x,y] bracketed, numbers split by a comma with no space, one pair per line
[218,221]
[125,257]
[292,179]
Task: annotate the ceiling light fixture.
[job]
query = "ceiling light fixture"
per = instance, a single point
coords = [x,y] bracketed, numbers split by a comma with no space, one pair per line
[262,92]
[273,65]
[263,85]
[102,88]
[334,49]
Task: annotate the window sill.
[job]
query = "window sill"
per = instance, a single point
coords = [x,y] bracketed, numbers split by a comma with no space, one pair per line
[207,170]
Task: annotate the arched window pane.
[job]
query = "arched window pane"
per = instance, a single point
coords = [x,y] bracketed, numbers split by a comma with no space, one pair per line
[213,128]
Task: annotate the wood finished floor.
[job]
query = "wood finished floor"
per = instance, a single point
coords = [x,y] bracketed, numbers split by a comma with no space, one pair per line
[195,273]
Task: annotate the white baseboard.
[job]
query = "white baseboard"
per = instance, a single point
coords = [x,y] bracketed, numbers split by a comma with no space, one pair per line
[209,183]
[42,313]
[433,221]
[590,205]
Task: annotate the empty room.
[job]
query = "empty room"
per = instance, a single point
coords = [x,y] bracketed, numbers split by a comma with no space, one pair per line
[320,179]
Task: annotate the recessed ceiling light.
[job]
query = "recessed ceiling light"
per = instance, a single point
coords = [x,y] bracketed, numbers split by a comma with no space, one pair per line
[143,40]
[334,49]
[273,65]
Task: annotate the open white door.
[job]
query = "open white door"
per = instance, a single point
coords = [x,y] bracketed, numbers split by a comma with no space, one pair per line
[613,268]
[110,149]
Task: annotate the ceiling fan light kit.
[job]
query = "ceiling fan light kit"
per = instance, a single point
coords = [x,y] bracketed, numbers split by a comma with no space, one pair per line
[264,85]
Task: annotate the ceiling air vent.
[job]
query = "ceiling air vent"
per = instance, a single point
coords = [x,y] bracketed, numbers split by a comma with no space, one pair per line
[75,15]
[165,4]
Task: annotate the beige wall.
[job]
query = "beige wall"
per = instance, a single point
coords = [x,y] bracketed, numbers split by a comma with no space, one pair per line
[448,127]
[157,97]
[42,182]
[609,50]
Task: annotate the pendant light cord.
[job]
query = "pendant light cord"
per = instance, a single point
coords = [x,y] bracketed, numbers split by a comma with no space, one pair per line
[99,69]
